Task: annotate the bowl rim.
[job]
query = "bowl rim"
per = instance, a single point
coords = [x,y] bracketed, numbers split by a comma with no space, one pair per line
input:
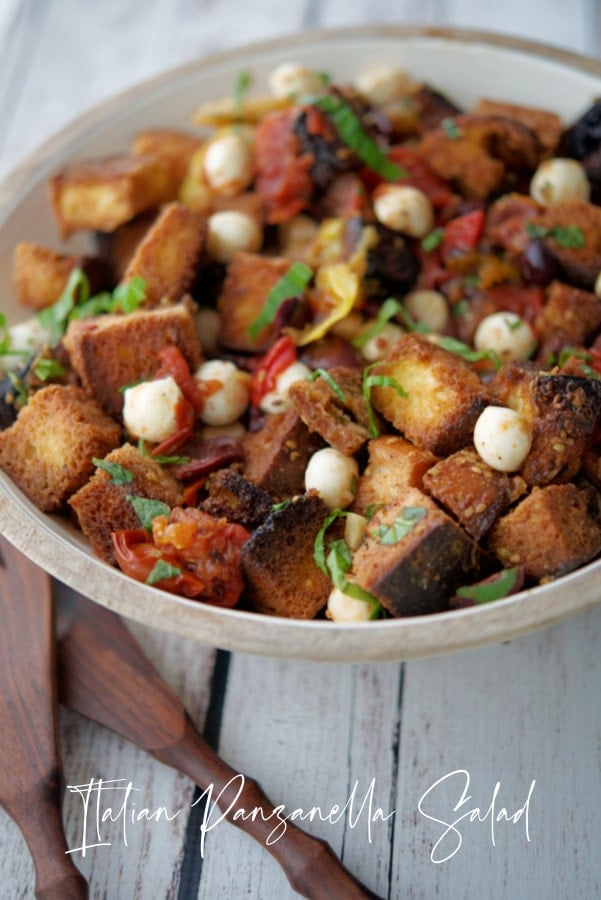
[390,640]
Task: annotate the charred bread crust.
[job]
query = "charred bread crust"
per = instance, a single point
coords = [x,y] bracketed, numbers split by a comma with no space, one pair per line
[570,313]
[551,532]
[394,464]
[344,424]
[547,125]
[101,506]
[419,572]
[114,350]
[48,451]
[281,575]
[276,456]
[580,264]
[168,254]
[444,396]
[234,497]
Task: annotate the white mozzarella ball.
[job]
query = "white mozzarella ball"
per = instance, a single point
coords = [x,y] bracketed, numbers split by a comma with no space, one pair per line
[229,402]
[291,79]
[510,336]
[276,401]
[559,179]
[381,83]
[342,608]
[378,346]
[149,409]
[228,164]
[502,438]
[428,308]
[208,325]
[403,208]
[229,231]
[334,476]
[354,529]
[29,336]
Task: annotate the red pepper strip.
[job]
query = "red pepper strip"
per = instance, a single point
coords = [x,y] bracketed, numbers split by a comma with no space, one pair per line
[174,363]
[279,357]
[184,416]
[137,555]
[463,233]
[190,495]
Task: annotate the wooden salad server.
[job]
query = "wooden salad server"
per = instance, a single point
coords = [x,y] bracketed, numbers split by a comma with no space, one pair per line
[31,783]
[105,676]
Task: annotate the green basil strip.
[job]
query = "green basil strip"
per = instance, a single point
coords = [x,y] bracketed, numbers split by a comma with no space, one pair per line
[400,528]
[433,240]
[55,318]
[351,131]
[466,352]
[389,309]
[331,383]
[243,82]
[161,571]
[337,563]
[371,381]
[493,590]
[147,510]
[290,285]
[119,474]
[4,335]
[46,368]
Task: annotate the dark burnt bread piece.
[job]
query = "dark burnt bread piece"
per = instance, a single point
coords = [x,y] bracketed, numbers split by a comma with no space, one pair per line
[276,455]
[281,575]
[101,506]
[554,530]
[419,572]
[344,424]
[547,125]
[234,497]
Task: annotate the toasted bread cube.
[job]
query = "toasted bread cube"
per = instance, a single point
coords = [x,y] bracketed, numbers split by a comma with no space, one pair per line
[168,254]
[444,395]
[581,264]
[394,464]
[117,248]
[414,556]
[40,275]
[172,149]
[113,351]
[48,451]
[277,455]
[563,411]
[569,312]
[281,574]
[545,124]
[471,491]
[100,195]
[101,506]
[235,498]
[249,280]
[344,424]
[552,531]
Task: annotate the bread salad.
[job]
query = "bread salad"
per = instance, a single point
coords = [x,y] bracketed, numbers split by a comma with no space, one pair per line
[336,354]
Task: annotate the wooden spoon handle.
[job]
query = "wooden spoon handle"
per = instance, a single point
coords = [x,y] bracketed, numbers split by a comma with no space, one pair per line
[30,776]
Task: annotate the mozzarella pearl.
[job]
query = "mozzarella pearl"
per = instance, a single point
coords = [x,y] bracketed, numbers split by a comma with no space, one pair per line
[208,325]
[381,83]
[354,529]
[378,346]
[149,409]
[502,438]
[228,403]
[228,164]
[403,208]
[507,334]
[334,476]
[429,308]
[230,231]
[559,179]
[277,400]
[29,336]
[344,609]
[291,79]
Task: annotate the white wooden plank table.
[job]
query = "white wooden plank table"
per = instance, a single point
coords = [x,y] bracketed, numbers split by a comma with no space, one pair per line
[316,735]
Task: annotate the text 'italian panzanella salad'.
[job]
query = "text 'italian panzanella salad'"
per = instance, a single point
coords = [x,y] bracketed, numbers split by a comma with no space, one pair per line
[339,355]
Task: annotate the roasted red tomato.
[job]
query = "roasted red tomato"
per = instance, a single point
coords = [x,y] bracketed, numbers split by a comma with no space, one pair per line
[463,233]
[279,357]
[283,177]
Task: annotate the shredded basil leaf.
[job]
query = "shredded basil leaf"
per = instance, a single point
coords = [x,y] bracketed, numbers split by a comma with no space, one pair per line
[338,562]
[351,131]
[493,590]
[162,570]
[129,296]
[433,240]
[46,368]
[291,284]
[570,237]
[118,473]
[371,509]
[20,388]
[147,509]
[55,318]
[387,311]
[4,336]
[466,352]
[370,381]
[410,323]
[452,130]
[276,507]
[400,528]
[460,309]
[331,382]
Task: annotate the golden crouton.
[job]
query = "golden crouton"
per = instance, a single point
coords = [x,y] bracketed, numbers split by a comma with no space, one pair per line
[444,395]
[112,351]
[569,312]
[552,531]
[40,274]
[471,491]
[581,263]
[100,195]
[172,149]
[280,570]
[48,451]
[117,248]
[249,280]
[546,125]
[277,455]
[394,464]
[101,506]
[168,254]
[413,556]
[344,424]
